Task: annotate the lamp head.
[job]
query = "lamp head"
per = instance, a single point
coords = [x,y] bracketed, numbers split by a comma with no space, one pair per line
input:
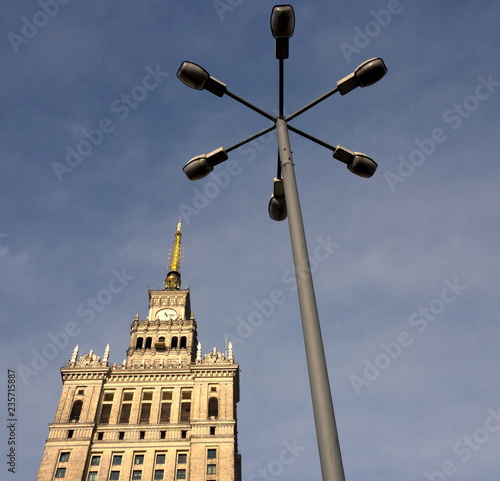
[282,21]
[358,163]
[201,165]
[282,27]
[362,165]
[368,73]
[196,77]
[277,202]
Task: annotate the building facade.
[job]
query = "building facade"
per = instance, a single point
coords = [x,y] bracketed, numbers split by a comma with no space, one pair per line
[168,412]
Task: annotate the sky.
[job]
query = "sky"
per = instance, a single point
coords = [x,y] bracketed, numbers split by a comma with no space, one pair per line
[95,130]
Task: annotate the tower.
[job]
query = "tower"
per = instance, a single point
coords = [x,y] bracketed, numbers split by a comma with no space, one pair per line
[166,413]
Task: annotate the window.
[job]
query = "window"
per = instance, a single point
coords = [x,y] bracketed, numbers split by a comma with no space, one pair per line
[125,414]
[126,407]
[138,344]
[105,413]
[64,458]
[181,474]
[149,340]
[213,389]
[142,434]
[211,469]
[60,472]
[183,342]
[166,395]
[76,410]
[145,413]
[128,396]
[137,474]
[117,459]
[173,344]
[106,407]
[213,407]
[80,392]
[186,394]
[182,458]
[95,460]
[121,435]
[183,434]
[163,434]
[185,412]
[100,436]
[108,396]
[159,474]
[212,430]
[114,475]
[212,454]
[165,412]
[160,459]
[147,395]
[70,433]
[92,476]
[139,459]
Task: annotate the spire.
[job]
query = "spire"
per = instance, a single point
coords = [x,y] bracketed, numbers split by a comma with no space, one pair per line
[173,279]
[74,355]
[106,354]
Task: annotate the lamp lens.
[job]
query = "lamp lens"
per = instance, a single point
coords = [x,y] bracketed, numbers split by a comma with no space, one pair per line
[277,208]
[193,75]
[363,166]
[197,168]
[370,72]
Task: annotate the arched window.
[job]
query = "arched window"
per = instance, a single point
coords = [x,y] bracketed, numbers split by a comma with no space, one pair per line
[174,342]
[76,410]
[149,340]
[138,344]
[161,339]
[213,407]
[183,342]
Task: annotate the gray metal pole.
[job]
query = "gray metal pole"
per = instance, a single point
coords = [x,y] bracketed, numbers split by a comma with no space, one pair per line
[324,418]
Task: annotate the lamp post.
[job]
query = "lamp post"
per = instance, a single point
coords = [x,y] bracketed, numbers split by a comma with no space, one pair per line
[285,203]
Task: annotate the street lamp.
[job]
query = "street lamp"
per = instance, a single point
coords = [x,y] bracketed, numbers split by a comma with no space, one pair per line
[285,203]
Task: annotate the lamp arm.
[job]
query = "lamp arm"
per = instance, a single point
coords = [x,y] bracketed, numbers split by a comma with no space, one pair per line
[249,139]
[250,106]
[310,137]
[312,104]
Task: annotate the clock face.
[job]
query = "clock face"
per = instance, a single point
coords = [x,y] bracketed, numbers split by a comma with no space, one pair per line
[167,314]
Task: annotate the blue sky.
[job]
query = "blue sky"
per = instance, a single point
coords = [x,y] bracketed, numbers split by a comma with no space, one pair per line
[95,130]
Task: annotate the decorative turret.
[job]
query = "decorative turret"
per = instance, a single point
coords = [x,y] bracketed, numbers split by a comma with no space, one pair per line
[173,279]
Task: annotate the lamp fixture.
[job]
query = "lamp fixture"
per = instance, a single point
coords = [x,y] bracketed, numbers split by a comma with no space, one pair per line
[282,27]
[358,163]
[368,73]
[277,202]
[201,165]
[196,77]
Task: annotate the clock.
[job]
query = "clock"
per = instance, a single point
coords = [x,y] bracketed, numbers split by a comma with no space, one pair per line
[167,314]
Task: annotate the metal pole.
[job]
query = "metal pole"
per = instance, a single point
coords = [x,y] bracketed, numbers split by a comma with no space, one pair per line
[324,418]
